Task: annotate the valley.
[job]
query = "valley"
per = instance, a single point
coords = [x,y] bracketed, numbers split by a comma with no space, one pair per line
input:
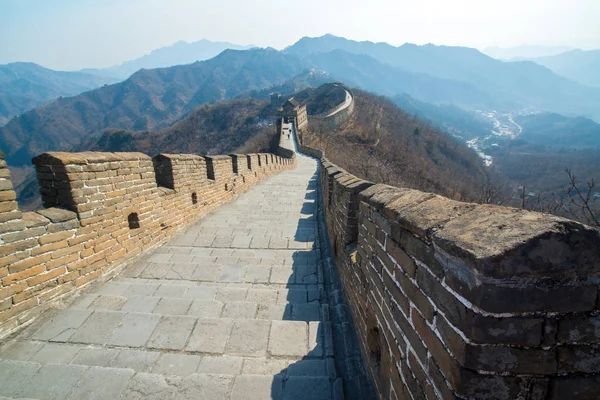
[503,127]
[510,114]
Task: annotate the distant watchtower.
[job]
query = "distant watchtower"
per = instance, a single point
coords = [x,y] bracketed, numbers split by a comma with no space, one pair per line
[294,111]
[275,100]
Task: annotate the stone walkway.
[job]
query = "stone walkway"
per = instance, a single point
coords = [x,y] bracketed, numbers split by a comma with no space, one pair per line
[232,308]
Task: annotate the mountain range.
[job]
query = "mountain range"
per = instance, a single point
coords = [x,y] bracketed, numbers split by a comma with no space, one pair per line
[149,99]
[550,129]
[24,86]
[440,76]
[578,65]
[177,54]
[452,75]
[524,52]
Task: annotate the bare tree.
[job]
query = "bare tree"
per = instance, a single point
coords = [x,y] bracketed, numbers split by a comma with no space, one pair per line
[581,201]
[492,193]
[577,202]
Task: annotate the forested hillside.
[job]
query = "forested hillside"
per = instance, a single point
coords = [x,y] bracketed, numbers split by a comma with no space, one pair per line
[210,129]
[384,144]
[24,86]
[149,99]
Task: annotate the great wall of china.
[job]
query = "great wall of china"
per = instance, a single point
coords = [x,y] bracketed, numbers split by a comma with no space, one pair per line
[301,265]
[103,209]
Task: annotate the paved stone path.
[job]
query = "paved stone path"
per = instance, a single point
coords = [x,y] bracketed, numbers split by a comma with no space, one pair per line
[232,308]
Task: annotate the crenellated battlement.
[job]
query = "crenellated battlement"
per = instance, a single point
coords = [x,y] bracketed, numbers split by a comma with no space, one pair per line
[103,209]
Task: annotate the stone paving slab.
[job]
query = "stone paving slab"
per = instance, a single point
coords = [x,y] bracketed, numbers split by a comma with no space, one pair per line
[230,308]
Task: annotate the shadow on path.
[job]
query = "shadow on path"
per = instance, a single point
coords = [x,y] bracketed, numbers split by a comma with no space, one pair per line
[332,368]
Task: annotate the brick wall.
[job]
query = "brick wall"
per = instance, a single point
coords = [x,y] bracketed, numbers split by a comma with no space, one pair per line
[456,300]
[102,209]
[326,121]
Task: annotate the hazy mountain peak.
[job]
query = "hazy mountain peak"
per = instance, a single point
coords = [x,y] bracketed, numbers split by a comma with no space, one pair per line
[26,85]
[525,51]
[178,53]
[582,66]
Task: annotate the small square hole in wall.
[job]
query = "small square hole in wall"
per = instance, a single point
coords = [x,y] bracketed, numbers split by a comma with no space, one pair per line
[133,220]
[374,345]
[194,198]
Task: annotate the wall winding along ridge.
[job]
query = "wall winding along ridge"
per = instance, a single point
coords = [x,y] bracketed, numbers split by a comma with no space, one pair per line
[456,300]
[103,209]
[332,119]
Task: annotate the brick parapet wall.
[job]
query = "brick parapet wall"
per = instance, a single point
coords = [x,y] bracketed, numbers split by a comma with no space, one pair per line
[456,300]
[103,209]
[329,121]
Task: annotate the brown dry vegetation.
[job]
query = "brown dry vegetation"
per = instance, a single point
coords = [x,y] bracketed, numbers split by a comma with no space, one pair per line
[384,144]
[210,129]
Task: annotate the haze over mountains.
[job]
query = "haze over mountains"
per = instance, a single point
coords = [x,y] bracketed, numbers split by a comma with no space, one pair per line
[524,52]
[177,54]
[149,99]
[461,91]
[578,65]
[24,86]
[454,75]
[154,98]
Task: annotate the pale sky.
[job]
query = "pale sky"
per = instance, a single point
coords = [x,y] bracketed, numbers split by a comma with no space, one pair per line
[74,34]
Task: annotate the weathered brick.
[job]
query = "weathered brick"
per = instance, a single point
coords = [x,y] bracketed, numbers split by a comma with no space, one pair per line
[8,206]
[55,237]
[5,184]
[46,276]
[28,263]
[68,277]
[49,247]
[104,245]
[66,251]
[420,250]
[575,387]
[32,292]
[400,322]
[396,294]
[436,348]
[414,294]
[23,235]
[401,258]
[579,358]
[8,291]
[18,309]
[579,329]
[13,258]
[10,216]
[28,273]
[526,331]
[87,278]
[497,358]
[414,386]
[34,220]
[7,195]
[62,261]
[530,297]
[80,238]
[12,226]
[5,305]
[54,292]
[63,226]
